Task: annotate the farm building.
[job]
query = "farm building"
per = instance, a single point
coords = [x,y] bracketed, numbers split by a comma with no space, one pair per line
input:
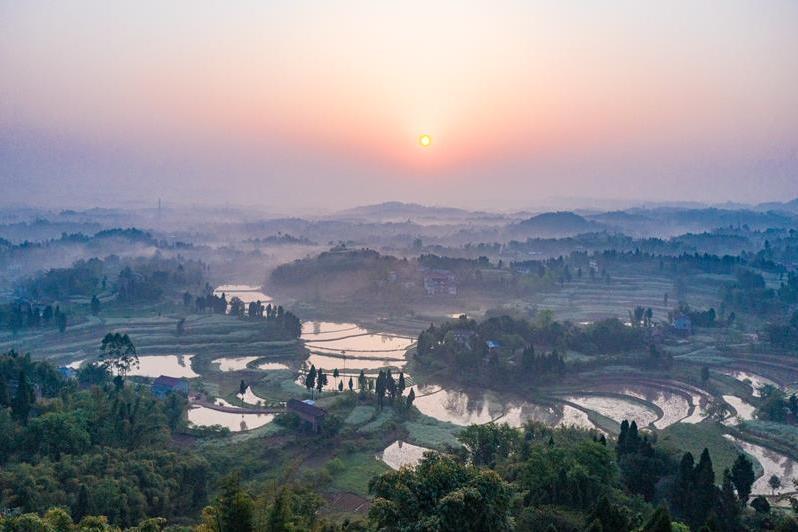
[163,385]
[307,412]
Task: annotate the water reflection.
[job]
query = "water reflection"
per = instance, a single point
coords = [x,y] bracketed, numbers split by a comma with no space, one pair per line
[364,343]
[615,408]
[234,363]
[351,364]
[246,293]
[206,417]
[169,365]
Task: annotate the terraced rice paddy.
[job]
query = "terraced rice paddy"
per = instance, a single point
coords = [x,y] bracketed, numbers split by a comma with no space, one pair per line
[755,381]
[675,407]
[250,398]
[616,408]
[773,463]
[745,411]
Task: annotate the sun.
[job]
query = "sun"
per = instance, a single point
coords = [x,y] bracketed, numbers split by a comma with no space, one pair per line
[425,140]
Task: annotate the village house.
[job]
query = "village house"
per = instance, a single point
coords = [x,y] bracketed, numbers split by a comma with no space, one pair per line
[163,385]
[308,412]
[440,282]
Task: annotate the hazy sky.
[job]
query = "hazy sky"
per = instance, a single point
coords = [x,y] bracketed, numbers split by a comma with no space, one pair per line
[321,103]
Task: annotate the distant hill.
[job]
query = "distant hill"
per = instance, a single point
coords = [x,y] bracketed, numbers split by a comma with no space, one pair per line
[559,223]
[788,206]
[397,210]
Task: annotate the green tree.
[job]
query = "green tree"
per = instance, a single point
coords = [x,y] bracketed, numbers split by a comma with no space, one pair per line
[610,516]
[488,443]
[310,378]
[236,508]
[774,482]
[56,433]
[61,321]
[351,384]
[95,305]
[441,494]
[760,504]
[742,475]
[660,521]
[411,396]
[118,352]
[23,399]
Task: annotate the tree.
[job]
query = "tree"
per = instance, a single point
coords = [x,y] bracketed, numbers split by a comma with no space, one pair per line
[361,382]
[610,516]
[23,399]
[61,321]
[336,374]
[242,387]
[236,508]
[760,504]
[118,352]
[441,494]
[401,385]
[310,378]
[54,433]
[410,398]
[775,483]
[351,384]
[705,491]
[660,521]
[321,380]
[95,305]
[727,511]
[488,443]
[81,507]
[742,475]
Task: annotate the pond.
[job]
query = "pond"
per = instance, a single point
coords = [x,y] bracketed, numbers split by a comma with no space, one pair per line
[206,417]
[615,408]
[400,454]
[772,463]
[169,365]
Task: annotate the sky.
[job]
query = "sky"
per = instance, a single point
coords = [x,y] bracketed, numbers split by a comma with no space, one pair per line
[319,105]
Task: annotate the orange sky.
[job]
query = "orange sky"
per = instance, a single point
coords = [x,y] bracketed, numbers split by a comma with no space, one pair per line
[522,99]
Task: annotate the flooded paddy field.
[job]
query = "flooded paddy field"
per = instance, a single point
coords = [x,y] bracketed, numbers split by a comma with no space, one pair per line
[401,454]
[207,417]
[169,365]
[772,463]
